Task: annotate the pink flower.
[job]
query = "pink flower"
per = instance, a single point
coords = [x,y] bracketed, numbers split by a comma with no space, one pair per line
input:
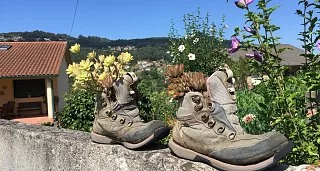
[234,45]
[248,118]
[243,3]
[258,56]
[311,113]
[250,30]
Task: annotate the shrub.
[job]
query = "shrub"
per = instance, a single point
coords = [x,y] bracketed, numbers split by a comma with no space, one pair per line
[78,112]
[249,102]
[153,100]
[202,48]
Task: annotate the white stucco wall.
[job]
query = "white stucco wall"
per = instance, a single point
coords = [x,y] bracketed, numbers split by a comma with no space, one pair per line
[6,87]
[63,84]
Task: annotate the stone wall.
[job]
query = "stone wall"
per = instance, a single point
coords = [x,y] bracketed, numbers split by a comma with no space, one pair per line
[36,147]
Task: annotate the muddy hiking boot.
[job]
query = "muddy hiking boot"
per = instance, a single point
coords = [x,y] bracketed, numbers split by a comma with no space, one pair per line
[118,121]
[211,133]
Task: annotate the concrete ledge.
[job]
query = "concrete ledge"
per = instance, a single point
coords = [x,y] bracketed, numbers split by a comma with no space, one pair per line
[36,147]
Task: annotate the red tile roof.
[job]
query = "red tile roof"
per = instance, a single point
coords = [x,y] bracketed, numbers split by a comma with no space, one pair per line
[26,59]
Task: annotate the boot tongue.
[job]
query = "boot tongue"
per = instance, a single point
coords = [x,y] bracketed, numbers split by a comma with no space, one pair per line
[125,104]
[221,91]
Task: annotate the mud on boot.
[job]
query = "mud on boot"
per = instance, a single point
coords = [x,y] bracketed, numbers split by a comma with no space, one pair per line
[118,120]
[211,133]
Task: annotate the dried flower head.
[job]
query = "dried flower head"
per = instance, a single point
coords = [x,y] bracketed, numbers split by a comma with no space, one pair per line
[174,71]
[195,81]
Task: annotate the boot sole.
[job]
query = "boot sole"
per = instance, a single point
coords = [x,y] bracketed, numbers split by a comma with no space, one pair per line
[157,135]
[194,156]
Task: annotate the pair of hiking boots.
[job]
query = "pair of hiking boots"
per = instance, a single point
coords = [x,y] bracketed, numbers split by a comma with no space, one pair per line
[206,130]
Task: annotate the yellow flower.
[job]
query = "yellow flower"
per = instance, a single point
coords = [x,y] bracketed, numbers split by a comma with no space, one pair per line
[75,48]
[101,58]
[83,76]
[91,55]
[73,70]
[85,65]
[119,68]
[97,66]
[102,76]
[109,60]
[125,57]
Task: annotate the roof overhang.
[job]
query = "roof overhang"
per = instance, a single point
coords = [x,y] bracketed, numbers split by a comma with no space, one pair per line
[28,76]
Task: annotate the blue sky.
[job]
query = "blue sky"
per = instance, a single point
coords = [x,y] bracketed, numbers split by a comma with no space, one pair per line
[127,19]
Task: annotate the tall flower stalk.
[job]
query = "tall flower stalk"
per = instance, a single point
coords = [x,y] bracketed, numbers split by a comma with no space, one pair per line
[264,43]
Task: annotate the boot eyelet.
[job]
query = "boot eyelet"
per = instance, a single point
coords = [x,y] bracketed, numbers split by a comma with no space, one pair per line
[231,136]
[210,107]
[211,124]
[220,129]
[196,99]
[198,107]
[129,123]
[114,117]
[204,118]
[122,120]
[109,113]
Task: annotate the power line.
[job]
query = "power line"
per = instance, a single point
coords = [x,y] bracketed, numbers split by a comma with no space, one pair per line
[74,17]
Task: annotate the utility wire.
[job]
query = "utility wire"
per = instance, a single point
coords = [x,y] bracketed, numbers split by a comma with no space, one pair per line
[74,17]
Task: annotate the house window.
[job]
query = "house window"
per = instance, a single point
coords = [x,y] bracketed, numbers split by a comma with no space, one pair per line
[29,88]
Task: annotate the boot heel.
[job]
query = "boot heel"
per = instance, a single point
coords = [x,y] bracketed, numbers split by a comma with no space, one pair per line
[101,139]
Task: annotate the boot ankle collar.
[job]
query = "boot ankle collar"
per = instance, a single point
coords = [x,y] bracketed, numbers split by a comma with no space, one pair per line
[133,76]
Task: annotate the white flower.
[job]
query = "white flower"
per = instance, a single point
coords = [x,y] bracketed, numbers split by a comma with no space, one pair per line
[192,35]
[168,52]
[181,48]
[171,55]
[196,40]
[186,36]
[191,56]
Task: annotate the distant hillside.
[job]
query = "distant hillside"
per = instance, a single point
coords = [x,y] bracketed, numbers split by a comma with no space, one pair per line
[143,49]
[89,41]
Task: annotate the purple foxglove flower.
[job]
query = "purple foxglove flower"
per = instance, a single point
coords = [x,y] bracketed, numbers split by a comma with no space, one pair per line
[250,30]
[258,56]
[243,3]
[318,44]
[234,45]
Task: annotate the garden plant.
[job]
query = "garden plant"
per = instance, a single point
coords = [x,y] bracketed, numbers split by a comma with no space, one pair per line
[279,102]
[284,108]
